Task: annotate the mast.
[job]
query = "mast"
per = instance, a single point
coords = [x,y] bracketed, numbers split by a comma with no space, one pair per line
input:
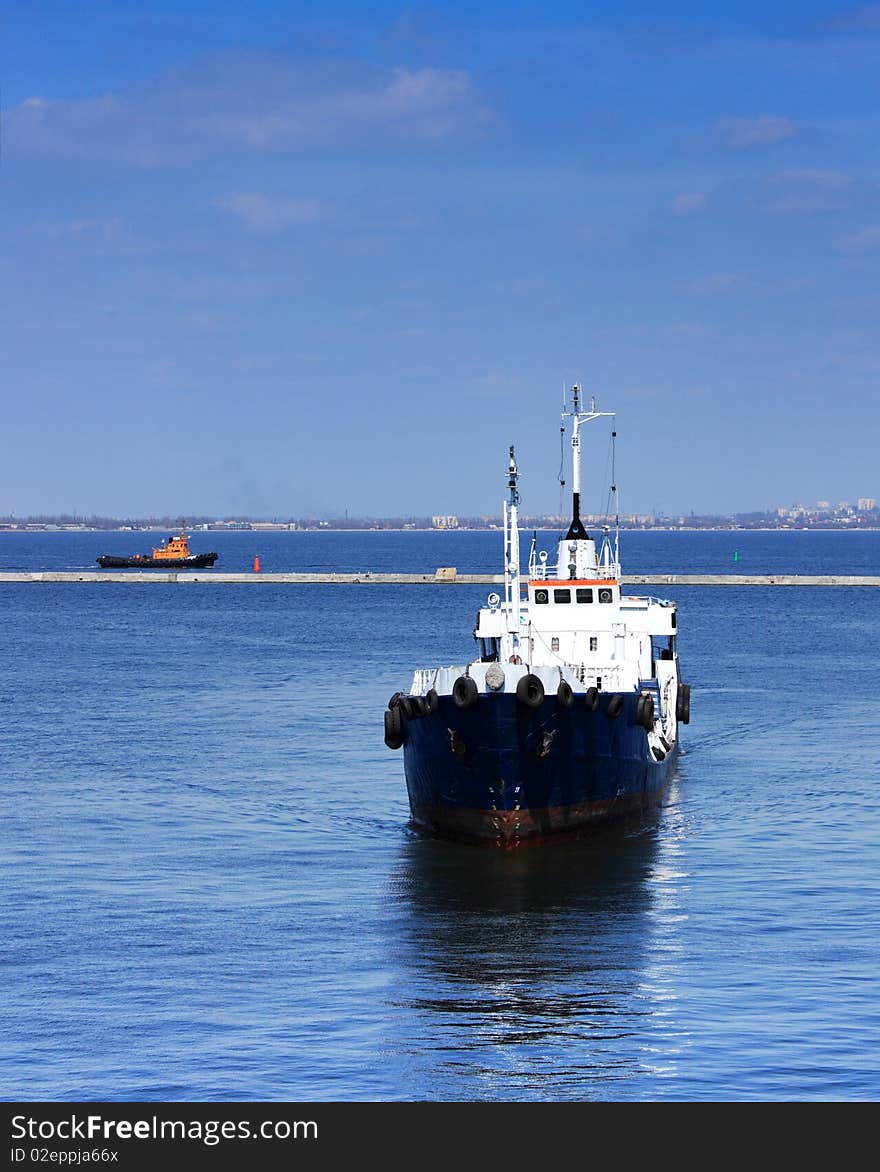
[511,551]
[576,530]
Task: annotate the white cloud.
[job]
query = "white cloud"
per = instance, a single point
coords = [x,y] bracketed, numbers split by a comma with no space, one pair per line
[265,213]
[253,103]
[421,103]
[741,133]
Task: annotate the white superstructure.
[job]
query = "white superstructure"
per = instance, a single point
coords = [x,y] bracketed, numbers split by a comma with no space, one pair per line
[567,621]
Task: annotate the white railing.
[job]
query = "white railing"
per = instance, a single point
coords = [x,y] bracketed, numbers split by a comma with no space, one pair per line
[541,571]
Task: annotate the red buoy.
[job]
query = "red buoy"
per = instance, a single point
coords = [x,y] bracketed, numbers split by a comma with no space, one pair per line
[257,565]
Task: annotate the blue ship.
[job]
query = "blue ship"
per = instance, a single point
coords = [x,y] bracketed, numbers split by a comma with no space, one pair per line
[569,717]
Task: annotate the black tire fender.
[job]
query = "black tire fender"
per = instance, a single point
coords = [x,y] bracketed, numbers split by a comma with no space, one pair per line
[395,728]
[465,692]
[564,694]
[683,704]
[645,712]
[530,691]
[591,696]
[615,706]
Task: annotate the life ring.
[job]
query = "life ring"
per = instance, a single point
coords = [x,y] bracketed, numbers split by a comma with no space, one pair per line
[395,729]
[530,691]
[465,692]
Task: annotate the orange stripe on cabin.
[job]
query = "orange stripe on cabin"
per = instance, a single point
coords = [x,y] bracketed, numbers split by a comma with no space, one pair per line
[574,582]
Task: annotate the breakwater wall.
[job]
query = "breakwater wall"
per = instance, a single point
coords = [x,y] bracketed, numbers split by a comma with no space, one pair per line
[445,576]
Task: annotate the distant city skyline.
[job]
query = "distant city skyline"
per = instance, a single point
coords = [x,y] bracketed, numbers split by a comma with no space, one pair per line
[324,257]
[864,513]
[861,504]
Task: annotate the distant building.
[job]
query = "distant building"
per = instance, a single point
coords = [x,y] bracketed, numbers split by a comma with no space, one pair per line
[824,506]
[867,504]
[449,522]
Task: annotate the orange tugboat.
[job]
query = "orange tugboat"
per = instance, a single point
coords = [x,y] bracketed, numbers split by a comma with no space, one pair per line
[172,554]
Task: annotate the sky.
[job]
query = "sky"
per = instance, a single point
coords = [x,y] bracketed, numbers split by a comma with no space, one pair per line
[295,259]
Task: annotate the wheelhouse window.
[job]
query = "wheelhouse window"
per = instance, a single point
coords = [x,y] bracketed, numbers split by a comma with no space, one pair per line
[562,595]
[594,642]
[584,594]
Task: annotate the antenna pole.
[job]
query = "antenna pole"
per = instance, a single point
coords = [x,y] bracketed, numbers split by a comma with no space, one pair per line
[511,560]
[576,530]
[616,495]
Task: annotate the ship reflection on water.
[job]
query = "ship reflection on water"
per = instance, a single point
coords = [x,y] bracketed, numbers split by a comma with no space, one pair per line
[538,973]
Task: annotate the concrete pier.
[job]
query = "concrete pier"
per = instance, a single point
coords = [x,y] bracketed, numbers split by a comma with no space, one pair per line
[142,576]
[441,576]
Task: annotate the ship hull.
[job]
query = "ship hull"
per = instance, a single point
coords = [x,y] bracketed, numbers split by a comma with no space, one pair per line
[506,774]
[196,561]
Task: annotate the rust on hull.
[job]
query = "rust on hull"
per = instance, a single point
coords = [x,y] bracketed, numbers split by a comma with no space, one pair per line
[514,828]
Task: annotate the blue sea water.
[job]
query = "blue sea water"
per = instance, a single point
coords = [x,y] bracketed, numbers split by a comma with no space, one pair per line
[211,891]
[477,552]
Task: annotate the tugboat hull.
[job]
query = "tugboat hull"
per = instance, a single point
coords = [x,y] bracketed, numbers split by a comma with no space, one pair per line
[196,561]
[506,774]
